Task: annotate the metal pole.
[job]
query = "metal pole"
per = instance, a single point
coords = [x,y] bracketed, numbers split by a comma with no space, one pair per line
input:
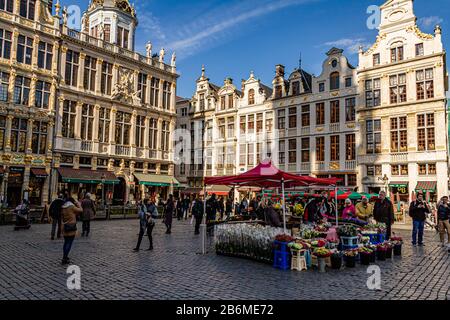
[336,205]
[284,206]
[203,225]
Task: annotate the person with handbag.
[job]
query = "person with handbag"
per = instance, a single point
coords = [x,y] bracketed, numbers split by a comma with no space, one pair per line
[70,210]
[146,222]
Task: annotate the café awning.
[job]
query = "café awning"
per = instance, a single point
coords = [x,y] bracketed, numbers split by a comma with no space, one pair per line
[39,173]
[155,180]
[426,186]
[69,175]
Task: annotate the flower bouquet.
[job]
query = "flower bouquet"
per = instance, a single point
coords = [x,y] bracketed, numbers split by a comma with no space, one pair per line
[296,246]
[348,231]
[350,258]
[319,243]
[321,254]
[309,234]
[398,243]
[381,251]
[298,210]
[365,255]
[284,238]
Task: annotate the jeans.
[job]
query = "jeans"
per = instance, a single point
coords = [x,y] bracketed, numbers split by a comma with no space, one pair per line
[198,222]
[68,241]
[86,228]
[149,228]
[185,213]
[418,227]
[56,224]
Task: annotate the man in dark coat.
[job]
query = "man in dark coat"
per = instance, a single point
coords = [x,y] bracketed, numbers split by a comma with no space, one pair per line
[272,217]
[418,212]
[383,212]
[55,211]
[179,209]
[197,212]
[212,206]
[168,216]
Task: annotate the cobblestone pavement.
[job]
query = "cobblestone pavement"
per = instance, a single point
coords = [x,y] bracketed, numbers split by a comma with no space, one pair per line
[30,269]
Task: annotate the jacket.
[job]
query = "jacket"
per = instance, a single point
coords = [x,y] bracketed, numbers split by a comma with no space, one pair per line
[88,210]
[443,212]
[349,212]
[197,209]
[55,209]
[272,217]
[418,210]
[364,212]
[168,215]
[383,212]
[69,217]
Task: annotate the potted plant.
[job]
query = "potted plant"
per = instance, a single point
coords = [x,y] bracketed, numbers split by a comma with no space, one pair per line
[350,258]
[365,254]
[322,254]
[336,260]
[381,251]
[373,255]
[389,248]
[349,235]
[398,243]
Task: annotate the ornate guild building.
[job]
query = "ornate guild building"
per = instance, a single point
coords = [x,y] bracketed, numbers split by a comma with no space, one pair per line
[81,110]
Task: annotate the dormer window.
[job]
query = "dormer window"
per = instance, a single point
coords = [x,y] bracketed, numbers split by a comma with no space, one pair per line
[334,81]
[278,92]
[230,101]
[397,53]
[296,88]
[348,82]
[322,87]
[107,33]
[122,37]
[251,97]
[222,103]
[419,50]
[376,59]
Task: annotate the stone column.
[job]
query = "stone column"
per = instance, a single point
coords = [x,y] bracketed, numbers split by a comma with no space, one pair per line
[32,97]
[55,59]
[9,119]
[133,129]
[78,117]
[15,40]
[147,134]
[16,8]
[46,188]
[112,131]
[161,93]
[26,179]
[59,117]
[12,80]
[34,58]
[136,80]
[96,123]
[98,77]
[62,63]
[115,75]
[52,99]
[81,71]
[159,136]
[149,84]
[37,10]
[29,136]
[173,96]
[50,130]
[131,37]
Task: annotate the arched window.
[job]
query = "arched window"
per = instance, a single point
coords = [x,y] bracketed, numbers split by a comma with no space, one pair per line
[334,81]
[251,96]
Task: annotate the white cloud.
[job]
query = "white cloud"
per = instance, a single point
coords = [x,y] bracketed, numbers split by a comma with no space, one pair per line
[430,21]
[349,45]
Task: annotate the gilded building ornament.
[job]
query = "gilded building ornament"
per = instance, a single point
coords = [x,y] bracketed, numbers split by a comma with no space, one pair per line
[418,33]
[380,38]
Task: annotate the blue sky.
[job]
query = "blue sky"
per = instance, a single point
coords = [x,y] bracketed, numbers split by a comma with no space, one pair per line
[233,37]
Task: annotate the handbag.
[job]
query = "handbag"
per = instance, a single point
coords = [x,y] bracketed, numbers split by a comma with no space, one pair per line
[70,227]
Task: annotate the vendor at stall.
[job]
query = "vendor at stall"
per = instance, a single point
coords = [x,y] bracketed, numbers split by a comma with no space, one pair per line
[364,209]
[349,210]
[271,215]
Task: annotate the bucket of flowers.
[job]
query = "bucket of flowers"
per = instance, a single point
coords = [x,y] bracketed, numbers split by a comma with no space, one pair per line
[321,254]
[398,243]
[298,210]
[365,254]
[390,247]
[373,255]
[381,251]
[319,243]
[349,235]
[336,260]
[350,258]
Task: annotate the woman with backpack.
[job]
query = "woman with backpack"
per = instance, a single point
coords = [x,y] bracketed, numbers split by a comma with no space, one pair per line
[146,222]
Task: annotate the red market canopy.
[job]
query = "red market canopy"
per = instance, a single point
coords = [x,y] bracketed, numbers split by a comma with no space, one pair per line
[266,175]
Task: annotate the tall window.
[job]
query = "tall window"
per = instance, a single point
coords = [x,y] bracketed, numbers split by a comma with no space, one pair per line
[42,96]
[278,92]
[230,127]
[39,137]
[230,101]
[45,55]
[4,84]
[122,37]
[425,84]
[5,43]
[222,128]
[334,81]
[269,122]
[373,93]
[165,136]
[376,59]
[397,87]
[24,49]
[154,92]
[107,32]
[322,87]
[19,130]
[320,149]
[334,148]
[251,124]
[140,131]
[426,132]
[293,118]
[90,71]
[106,81]
[348,82]
[399,134]
[320,114]
[259,123]
[373,137]
[242,125]
[72,65]
[7,5]
[251,154]
[281,119]
[306,119]
[397,54]
[153,134]
[374,171]
[87,122]
[242,154]
[2,132]
[295,88]
[350,112]
[166,95]
[251,96]
[27,8]
[142,86]
[293,151]
[350,147]
[282,151]
[334,111]
[22,90]
[104,124]
[419,50]
[123,128]
[306,150]
[68,121]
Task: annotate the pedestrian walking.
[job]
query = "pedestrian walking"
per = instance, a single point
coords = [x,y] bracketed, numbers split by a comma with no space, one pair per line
[70,210]
[383,212]
[146,223]
[55,212]
[179,209]
[185,206]
[418,212]
[443,212]
[212,206]
[88,214]
[197,212]
[168,215]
